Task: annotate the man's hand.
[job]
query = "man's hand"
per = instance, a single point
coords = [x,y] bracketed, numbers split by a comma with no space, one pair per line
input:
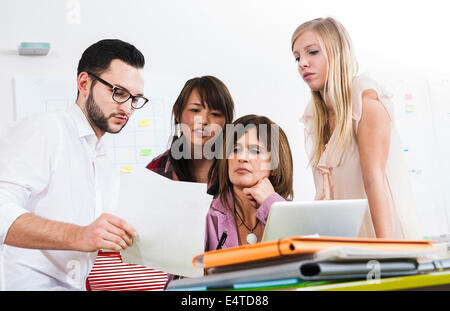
[107,232]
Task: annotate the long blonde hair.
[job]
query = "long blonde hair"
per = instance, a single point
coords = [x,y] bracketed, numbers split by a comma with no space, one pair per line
[341,69]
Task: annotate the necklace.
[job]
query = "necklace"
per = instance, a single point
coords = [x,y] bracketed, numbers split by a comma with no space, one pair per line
[251,237]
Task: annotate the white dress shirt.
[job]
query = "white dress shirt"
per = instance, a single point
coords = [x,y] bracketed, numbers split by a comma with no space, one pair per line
[53,166]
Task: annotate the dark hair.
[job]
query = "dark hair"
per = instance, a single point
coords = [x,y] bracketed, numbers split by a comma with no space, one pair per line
[97,58]
[214,94]
[281,177]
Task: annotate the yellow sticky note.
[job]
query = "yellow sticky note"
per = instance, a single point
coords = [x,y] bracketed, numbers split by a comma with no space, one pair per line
[144,122]
[127,169]
[409,108]
[55,108]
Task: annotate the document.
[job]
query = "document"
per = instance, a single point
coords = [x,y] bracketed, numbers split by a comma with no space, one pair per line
[169,217]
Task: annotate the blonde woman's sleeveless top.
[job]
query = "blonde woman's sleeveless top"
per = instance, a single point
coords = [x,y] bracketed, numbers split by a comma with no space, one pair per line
[338,173]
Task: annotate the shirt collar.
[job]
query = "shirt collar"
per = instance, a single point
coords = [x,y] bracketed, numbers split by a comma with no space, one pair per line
[218,205]
[85,129]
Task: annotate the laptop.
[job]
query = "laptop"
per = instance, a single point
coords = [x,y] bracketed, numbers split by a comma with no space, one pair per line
[340,218]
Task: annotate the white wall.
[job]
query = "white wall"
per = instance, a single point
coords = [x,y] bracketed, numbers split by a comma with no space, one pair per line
[244,43]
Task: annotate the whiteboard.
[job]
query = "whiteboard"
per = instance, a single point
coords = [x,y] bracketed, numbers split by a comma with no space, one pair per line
[145,136]
[423,124]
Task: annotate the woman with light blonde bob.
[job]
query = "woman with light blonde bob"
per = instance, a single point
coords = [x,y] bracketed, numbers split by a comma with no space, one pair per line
[350,136]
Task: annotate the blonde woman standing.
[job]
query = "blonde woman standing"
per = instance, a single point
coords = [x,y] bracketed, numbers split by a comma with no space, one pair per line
[350,136]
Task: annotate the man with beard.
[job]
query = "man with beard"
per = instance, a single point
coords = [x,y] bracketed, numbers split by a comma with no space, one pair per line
[57,182]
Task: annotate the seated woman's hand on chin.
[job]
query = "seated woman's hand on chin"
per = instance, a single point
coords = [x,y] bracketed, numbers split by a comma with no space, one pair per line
[259,192]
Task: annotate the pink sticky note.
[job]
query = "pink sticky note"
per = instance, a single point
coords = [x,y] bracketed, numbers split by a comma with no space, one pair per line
[408,96]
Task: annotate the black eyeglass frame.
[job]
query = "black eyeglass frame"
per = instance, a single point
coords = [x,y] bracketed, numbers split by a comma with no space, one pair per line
[114,90]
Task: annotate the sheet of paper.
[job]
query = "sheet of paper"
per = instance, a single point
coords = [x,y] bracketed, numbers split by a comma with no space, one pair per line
[169,217]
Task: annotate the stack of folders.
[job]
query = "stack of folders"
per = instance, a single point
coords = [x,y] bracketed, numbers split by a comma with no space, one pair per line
[305,261]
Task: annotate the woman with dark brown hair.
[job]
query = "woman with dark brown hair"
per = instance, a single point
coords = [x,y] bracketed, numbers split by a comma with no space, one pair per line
[200,112]
[255,171]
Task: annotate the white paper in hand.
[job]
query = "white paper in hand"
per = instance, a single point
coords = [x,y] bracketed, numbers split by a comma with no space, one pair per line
[169,217]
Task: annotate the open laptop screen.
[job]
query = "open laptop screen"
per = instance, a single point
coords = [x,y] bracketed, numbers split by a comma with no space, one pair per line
[341,218]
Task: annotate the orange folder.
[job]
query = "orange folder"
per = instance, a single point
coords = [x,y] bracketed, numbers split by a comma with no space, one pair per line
[302,246]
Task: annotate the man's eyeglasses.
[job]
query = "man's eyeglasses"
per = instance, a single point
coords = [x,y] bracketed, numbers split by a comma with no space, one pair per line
[120,95]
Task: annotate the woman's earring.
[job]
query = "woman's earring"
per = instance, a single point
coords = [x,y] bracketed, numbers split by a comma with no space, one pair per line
[178,130]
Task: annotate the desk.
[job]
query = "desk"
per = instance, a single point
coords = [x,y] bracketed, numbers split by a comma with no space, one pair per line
[429,281]
[426,281]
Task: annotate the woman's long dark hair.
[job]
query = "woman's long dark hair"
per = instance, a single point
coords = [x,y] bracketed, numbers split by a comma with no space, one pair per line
[215,95]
